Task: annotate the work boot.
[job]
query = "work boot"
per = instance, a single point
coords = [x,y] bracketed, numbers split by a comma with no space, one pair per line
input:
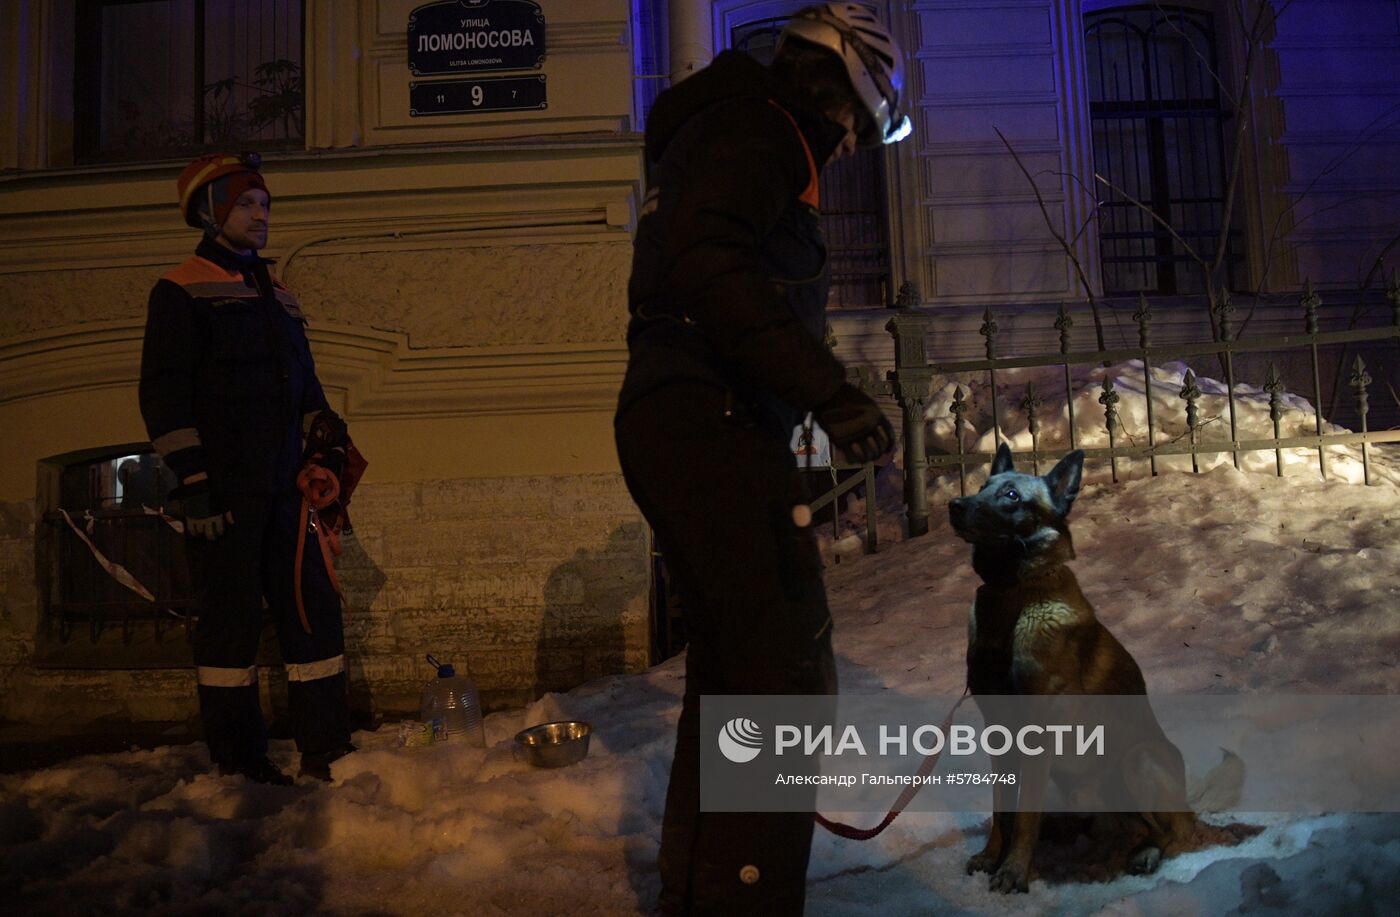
[259,770]
[318,764]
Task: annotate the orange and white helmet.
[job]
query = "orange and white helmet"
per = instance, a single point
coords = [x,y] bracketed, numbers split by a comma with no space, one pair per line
[872,57]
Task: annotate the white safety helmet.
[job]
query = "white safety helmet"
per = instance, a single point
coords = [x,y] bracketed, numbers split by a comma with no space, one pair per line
[873,59]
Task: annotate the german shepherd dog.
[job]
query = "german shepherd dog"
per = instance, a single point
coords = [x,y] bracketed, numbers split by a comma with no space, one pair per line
[1032,632]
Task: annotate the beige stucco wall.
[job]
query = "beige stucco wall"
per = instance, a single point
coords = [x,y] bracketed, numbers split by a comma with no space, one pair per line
[504,294]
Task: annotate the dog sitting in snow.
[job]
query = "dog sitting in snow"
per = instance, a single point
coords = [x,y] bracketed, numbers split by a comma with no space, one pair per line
[1032,632]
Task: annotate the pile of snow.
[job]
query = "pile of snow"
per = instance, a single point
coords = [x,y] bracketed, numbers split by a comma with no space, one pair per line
[1169,418]
[1225,582]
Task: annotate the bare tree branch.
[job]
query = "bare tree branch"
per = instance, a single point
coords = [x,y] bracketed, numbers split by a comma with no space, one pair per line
[1059,237]
[1156,217]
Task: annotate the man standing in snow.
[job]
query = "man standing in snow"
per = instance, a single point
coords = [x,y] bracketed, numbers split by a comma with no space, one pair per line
[728,295]
[228,392]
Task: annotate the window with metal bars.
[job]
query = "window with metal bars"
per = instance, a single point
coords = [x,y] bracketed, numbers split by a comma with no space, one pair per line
[852,201]
[110,554]
[161,79]
[1156,111]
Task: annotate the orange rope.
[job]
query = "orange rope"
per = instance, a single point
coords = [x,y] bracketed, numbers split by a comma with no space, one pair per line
[319,489]
[841,829]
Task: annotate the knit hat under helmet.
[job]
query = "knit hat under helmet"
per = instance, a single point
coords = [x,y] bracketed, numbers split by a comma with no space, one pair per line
[213,183]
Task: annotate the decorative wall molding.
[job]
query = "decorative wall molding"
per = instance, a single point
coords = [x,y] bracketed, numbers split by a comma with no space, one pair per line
[333,46]
[91,218]
[990,49]
[379,372]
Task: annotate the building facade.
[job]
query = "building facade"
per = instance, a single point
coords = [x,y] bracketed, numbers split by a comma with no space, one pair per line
[463,262]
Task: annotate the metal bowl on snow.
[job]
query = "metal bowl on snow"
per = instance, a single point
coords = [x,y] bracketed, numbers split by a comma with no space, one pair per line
[554,744]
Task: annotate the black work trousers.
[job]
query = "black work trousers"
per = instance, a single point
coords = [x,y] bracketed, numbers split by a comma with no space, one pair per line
[251,563]
[720,496]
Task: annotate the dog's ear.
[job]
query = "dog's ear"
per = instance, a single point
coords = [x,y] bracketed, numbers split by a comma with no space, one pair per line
[1002,462]
[1063,481]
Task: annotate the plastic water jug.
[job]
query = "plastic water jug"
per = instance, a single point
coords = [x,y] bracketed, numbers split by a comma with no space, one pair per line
[453,708]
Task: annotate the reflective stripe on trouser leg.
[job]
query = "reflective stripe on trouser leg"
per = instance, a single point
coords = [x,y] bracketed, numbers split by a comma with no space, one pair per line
[227,578]
[317,698]
[311,671]
[231,713]
[316,693]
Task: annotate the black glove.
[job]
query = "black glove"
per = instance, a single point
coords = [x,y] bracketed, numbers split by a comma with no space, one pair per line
[855,424]
[333,461]
[203,519]
[327,434]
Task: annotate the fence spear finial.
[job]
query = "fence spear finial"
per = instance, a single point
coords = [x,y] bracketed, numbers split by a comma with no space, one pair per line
[1031,405]
[958,408]
[1310,303]
[1360,379]
[989,331]
[1274,386]
[1223,310]
[1143,316]
[1109,400]
[1192,393]
[1063,323]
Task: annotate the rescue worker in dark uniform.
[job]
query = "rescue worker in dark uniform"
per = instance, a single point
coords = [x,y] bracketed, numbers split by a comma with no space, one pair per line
[232,404]
[727,295]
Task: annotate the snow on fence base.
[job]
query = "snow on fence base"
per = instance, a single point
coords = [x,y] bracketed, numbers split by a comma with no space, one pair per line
[1174,415]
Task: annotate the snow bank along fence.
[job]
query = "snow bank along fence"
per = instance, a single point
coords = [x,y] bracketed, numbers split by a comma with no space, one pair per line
[910,381]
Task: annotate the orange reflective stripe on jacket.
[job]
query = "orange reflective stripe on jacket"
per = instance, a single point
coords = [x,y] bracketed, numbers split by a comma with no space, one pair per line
[811,196]
[204,279]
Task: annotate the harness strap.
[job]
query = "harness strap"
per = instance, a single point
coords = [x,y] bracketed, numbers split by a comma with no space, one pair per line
[864,834]
[812,195]
[319,489]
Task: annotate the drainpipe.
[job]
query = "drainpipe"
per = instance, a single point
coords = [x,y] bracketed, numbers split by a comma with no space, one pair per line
[691,44]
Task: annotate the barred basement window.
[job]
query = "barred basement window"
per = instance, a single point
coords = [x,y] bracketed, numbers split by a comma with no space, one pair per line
[853,216]
[162,79]
[111,565]
[1157,114]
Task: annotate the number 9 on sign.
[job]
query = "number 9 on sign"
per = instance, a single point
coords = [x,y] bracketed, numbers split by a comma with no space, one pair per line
[454,97]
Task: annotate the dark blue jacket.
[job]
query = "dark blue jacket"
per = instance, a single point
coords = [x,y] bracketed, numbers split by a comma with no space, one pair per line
[228,385]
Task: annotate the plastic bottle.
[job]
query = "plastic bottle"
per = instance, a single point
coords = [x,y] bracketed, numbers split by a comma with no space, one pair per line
[453,708]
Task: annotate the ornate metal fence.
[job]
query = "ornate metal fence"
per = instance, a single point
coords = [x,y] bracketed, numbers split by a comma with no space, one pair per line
[914,372]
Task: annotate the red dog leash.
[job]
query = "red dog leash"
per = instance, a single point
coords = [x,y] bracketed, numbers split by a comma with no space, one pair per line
[319,489]
[864,834]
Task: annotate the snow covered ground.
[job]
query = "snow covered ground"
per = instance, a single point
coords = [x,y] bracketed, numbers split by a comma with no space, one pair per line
[1230,581]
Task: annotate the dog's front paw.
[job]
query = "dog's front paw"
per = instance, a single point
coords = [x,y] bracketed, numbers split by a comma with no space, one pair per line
[1010,878]
[1145,860]
[986,861]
